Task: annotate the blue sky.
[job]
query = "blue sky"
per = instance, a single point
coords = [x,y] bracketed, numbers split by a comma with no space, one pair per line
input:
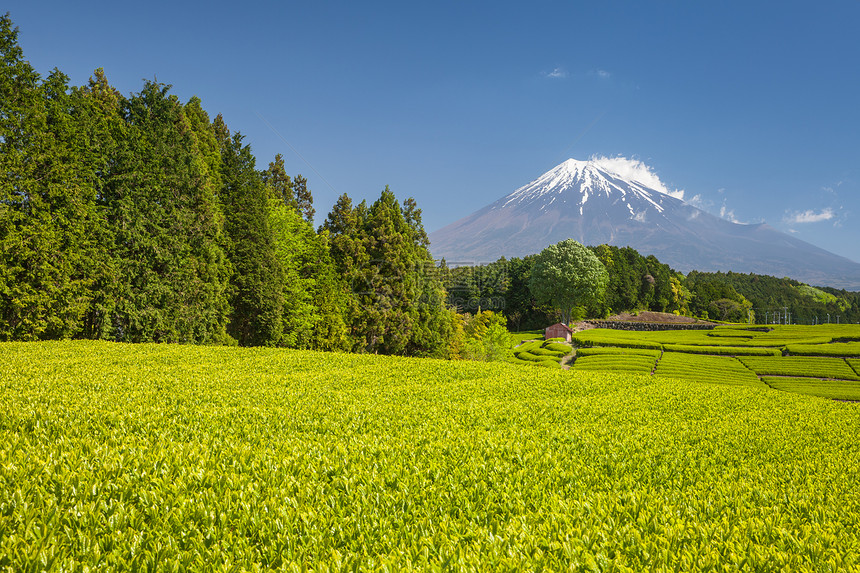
[751,108]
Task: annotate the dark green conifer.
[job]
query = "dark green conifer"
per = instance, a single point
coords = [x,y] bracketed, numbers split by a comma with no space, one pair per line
[279,183]
[257,279]
[304,198]
[167,228]
[51,227]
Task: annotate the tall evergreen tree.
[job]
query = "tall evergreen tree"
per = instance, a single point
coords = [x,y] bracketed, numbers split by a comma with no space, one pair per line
[345,229]
[387,285]
[206,142]
[97,109]
[23,302]
[433,327]
[345,225]
[257,279]
[52,243]
[412,216]
[279,183]
[397,298]
[167,228]
[304,198]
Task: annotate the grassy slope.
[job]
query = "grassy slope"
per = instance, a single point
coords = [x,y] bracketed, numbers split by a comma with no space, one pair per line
[114,455]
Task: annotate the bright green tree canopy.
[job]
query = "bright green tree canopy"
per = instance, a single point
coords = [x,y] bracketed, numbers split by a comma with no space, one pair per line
[566,275]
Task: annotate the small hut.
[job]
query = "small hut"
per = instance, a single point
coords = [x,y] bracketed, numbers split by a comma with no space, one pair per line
[558,330]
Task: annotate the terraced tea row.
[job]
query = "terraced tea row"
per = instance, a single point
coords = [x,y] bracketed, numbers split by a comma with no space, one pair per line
[834,389]
[701,368]
[800,366]
[778,337]
[541,353]
[722,350]
[843,349]
[812,354]
[616,363]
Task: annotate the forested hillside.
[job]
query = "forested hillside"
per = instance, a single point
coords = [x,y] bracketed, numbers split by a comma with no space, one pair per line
[139,218]
[771,296]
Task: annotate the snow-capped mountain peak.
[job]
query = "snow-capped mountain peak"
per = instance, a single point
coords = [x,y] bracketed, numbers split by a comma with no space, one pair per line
[574,182]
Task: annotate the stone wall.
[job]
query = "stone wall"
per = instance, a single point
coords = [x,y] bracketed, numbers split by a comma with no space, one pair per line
[649,326]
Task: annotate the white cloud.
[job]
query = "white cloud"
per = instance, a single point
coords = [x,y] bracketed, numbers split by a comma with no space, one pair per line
[556,73]
[601,74]
[637,171]
[728,214]
[809,216]
[709,206]
[697,201]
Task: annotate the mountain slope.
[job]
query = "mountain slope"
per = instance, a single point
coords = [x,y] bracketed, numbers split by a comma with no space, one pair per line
[593,203]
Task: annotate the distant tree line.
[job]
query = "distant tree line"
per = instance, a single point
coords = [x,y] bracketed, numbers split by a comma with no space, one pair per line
[769,296]
[634,283]
[637,283]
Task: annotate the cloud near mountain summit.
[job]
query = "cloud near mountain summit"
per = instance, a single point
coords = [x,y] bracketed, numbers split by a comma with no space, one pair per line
[635,170]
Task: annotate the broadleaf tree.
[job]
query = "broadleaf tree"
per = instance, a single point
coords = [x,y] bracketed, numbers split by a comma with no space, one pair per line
[567,275]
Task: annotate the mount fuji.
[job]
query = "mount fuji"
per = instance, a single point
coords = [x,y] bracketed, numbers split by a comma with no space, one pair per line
[621,202]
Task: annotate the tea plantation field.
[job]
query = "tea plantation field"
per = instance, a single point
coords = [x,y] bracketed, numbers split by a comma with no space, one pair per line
[170,458]
[819,360]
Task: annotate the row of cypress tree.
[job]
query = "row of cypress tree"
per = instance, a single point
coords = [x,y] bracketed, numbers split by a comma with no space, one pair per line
[140,219]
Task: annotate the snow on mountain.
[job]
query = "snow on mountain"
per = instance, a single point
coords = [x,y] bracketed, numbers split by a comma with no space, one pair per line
[582,179]
[622,202]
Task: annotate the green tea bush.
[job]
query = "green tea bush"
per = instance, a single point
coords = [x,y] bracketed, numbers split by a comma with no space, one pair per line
[519,337]
[558,347]
[528,346]
[532,357]
[723,332]
[548,352]
[599,350]
[782,341]
[833,389]
[117,457]
[606,337]
[737,340]
[702,368]
[616,363]
[803,366]
[722,350]
[831,331]
[833,349]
